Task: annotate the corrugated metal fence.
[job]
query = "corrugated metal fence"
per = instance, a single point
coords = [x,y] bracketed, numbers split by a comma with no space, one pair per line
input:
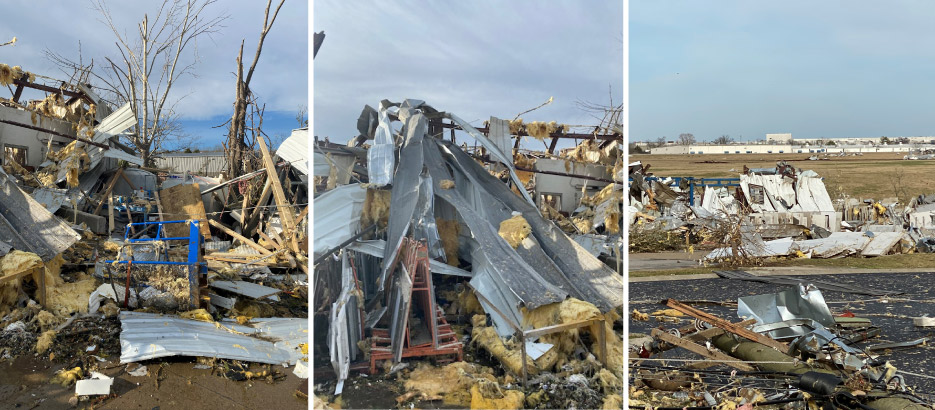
[204,163]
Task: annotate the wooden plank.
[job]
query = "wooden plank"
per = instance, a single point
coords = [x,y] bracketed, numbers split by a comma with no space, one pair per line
[239,237]
[701,350]
[232,260]
[183,202]
[158,205]
[110,187]
[110,213]
[728,326]
[560,327]
[270,241]
[254,219]
[285,210]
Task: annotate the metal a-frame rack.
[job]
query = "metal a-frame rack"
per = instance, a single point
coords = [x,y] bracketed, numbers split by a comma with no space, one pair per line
[415,285]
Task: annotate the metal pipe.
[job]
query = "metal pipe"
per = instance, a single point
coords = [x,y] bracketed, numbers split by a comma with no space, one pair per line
[56,133]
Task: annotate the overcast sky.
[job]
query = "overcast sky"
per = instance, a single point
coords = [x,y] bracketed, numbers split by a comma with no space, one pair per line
[475,59]
[815,69]
[280,79]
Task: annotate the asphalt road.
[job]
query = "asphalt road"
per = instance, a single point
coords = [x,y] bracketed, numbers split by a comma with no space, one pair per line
[892,314]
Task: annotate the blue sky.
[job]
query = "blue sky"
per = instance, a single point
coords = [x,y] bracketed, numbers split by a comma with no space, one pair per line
[280,80]
[475,59]
[815,69]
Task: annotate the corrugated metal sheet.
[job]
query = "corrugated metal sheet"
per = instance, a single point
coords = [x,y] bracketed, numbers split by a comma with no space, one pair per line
[295,150]
[202,163]
[337,216]
[148,336]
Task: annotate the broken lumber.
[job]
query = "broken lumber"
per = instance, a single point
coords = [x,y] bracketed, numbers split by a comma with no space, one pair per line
[239,237]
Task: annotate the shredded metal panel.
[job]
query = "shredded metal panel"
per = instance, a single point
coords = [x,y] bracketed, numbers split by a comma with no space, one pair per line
[294,150]
[28,226]
[593,280]
[245,288]
[505,263]
[405,191]
[337,216]
[149,336]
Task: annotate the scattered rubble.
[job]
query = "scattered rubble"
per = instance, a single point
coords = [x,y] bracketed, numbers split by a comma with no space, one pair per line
[98,256]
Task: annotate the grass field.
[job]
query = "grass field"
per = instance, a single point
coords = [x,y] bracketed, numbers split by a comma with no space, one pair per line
[873,175]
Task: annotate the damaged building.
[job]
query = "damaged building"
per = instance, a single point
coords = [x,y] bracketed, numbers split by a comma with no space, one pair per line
[110,265]
[426,248]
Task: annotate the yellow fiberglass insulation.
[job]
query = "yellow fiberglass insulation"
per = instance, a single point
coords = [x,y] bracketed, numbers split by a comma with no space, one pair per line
[574,310]
[14,262]
[8,74]
[67,298]
[46,319]
[515,126]
[612,402]
[446,184]
[514,230]
[487,395]
[468,302]
[45,341]
[66,377]
[448,231]
[197,314]
[451,383]
[612,222]
[376,208]
[486,337]
[541,130]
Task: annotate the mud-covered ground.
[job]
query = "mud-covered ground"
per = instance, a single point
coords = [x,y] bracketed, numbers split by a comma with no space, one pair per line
[893,314]
[93,344]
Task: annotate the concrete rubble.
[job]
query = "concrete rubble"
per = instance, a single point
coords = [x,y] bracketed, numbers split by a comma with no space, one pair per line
[453,266]
[98,254]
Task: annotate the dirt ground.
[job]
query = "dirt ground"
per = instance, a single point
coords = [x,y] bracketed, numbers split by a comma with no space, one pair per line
[871,175]
[24,383]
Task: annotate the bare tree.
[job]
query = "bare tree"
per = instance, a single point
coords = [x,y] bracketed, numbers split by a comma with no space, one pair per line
[724,140]
[686,139]
[151,61]
[240,148]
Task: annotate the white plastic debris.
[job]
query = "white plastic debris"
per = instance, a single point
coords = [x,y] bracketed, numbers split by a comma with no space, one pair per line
[924,321]
[106,291]
[138,372]
[301,369]
[17,326]
[98,384]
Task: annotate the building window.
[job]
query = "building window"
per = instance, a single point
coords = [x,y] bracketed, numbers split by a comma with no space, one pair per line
[736,152]
[552,199]
[727,152]
[15,152]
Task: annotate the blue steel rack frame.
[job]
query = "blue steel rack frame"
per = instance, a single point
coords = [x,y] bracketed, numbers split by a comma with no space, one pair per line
[196,265]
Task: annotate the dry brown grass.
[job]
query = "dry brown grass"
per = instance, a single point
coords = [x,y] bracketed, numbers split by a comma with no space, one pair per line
[867,176]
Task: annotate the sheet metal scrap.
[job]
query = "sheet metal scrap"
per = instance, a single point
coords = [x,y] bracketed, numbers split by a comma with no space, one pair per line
[28,226]
[149,336]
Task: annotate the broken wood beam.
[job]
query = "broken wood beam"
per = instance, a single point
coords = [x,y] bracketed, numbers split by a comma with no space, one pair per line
[728,326]
[237,236]
[285,210]
[110,188]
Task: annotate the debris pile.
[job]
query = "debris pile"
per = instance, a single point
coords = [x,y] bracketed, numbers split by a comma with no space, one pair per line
[780,212]
[787,347]
[105,262]
[427,250]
